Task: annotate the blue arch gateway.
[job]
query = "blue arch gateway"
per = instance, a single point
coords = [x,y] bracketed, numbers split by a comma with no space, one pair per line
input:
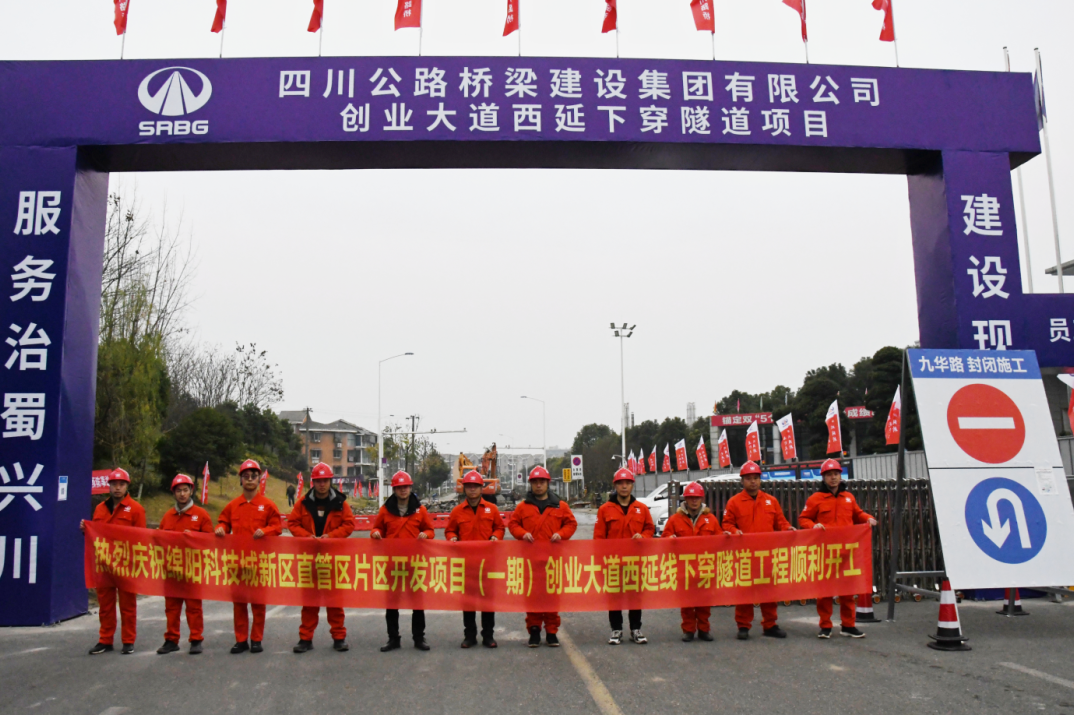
[65,125]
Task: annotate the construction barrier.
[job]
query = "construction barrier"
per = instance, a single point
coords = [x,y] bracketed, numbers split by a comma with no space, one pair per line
[364,522]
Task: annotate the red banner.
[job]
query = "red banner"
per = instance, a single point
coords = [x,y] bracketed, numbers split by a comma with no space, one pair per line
[652,461]
[611,17]
[799,7]
[702,455]
[511,24]
[680,456]
[99,481]
[221,15]
[894,421]
[723,451]
[667,458]
[835,434]
[317,16]
[504,576]
[641,461]
[786,437]
[887,32]
[408,14]
[703,20]
[753,443]
[858,413]
[205,485]
[122,6]
[764,418]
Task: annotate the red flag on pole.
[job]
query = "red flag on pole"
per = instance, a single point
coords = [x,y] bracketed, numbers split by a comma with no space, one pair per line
[221,13]
[632,463]
[511,24]
[641,461]
[300,485]
[205,484]
[121,16]
[799,7]
[408,14]
[887,32]
[894,424]
[315,18]
[611,17]
[703,19]
[264,482]
[835,435]
[667,458]
[652,461]
[355,491]
[723,451]
[680,456]
[786,437]
[753,443]
[702,455]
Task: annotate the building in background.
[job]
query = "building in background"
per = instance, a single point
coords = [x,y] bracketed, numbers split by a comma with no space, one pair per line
[340,444]
[691,413]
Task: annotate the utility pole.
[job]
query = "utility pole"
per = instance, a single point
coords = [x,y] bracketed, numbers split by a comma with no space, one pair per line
[622,333]
[410,449]
[310,465]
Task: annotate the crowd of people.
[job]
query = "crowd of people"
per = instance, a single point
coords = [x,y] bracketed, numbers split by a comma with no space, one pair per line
[323,513]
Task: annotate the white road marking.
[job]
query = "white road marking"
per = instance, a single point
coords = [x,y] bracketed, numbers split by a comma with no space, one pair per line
[986,423]
[115,711]
[1038,674]
[593,683]
[274,611]
[25,652]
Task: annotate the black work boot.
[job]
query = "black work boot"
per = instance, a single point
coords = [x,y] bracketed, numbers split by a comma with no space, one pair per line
[101,648]
[195,647]
[168,647]
[303,646]
[392,644]
[240,647]
[340,644]
[535,637]
[255,647]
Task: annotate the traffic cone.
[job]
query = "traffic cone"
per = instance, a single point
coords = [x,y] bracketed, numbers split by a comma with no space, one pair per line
[948,629]
[865,609]
[1017,608]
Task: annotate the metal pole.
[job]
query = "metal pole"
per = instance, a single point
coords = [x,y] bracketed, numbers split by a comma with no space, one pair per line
[123,43]
[900,475]
[894,36]
[380,445]
[544,438]
[1022,203]
[222,30]
[1051,182]
[622,399]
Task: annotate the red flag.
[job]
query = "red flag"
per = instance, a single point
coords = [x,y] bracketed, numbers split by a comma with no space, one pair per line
[641,461]
[723,451]
[702,455]
[221,13]
[315,18]
[408,14]
[652,461]
[786,437]
[205,484]
[121,16]
[753,443]
[887,32]
[511,24]
[300,485]
[894,424]
[703,19]
[264,482]
[611,17]
[632,463]
[355,492]
[667,458]
[799,7]
[680,456]
[835,435]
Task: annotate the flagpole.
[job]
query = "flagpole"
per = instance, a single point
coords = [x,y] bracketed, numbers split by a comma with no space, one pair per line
[895,35]
[320,33]
[1048,163]
[713,33]
[123,43]
[805,38]
[1022,202]
[421,29]
[223,28]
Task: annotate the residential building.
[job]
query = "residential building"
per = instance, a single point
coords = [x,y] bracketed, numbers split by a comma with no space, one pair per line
[340,444]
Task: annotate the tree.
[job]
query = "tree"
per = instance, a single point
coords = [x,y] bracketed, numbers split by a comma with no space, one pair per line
[432,471]
[811,403]
[207,376]
[205,435]
[266,437]
[588,436]
[886,376]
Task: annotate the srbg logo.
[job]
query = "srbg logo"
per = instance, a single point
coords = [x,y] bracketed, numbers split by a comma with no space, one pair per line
[173,97]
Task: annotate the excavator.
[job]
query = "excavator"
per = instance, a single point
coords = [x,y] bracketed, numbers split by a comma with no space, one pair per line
[487,471]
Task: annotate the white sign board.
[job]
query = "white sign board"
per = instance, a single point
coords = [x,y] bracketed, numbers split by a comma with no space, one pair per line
[1000,493]
[576,467]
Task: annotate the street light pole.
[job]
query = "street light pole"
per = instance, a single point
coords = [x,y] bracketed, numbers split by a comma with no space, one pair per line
[380,436]
[544,441]
[621,333]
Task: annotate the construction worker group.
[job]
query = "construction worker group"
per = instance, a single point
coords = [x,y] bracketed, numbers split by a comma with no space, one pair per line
[323,513]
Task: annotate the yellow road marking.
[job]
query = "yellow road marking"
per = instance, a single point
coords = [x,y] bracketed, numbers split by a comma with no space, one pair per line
[593,683]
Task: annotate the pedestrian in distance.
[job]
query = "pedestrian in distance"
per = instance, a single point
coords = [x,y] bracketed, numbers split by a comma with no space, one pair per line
[475,520]
[542,516]
[119,509]
[753,511]
[249,514]
[291,495]
[183,517]
[693,518]
[322,514]
[624,517]
[833,506]
[403,517]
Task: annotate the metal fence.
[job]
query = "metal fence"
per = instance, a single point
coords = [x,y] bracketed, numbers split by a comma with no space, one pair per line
[875,467]
[1066,451]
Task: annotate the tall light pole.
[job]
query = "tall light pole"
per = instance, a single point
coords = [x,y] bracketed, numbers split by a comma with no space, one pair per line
[380,436]
[544,442]
[622,333]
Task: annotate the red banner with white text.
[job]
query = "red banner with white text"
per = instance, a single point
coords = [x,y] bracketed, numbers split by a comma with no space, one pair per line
[505,576]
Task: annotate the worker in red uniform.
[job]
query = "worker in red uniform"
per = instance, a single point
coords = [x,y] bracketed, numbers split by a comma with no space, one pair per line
[322,514]
[249,514]
[403,517]
[752,511]
[184,516]
[693,518]
[475,520]
[121,510]
[624,517]
[833,506]
[542,516]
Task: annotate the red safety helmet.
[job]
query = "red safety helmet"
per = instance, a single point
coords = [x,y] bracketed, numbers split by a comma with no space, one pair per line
[473,477]
[119,475]
[831,465]
[623,475]
[402,479]
[321,471]
[693,489]
[749,468]
[182,479]
[249,464]
[539,473]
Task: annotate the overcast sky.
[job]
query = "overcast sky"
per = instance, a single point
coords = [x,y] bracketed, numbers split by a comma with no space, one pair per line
[503,283]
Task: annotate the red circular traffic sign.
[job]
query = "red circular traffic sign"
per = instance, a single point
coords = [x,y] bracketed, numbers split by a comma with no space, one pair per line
[986,423]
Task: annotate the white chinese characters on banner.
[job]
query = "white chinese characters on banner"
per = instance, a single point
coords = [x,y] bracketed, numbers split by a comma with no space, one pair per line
[29,358]
[430,82]
[10,488]
[39,212]
[521,83]
[381,79]
[697,86]
[782,87]
[981,215]
[1059,330]
[24,414]
[654,85]
[566,83]
[440,116]
[993,334]
[355,120]
[611,85]
[988,281]
[475,84]
[740,86]
[294,83]
[17,570]
[340,74]
[485,117]
[26,281]
[825,90]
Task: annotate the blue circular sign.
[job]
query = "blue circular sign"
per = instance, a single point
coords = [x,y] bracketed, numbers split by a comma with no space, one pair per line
[1005,520]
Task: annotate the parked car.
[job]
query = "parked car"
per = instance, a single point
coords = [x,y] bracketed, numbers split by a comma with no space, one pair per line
[657,499]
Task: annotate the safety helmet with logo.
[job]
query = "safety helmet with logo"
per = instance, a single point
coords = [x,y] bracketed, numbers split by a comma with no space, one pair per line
[473,477]
[623,475]
[749,468]
[321,471]
[119,475]
[401,479]
[693,489]
[831,465]
[539,472]
[249,464]
[182,479]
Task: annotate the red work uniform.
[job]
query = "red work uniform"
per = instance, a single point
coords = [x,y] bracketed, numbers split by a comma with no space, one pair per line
[127,513]
[833,510]
[193,518]
[542,519]
[244,518]
[329,518]
[395,523]
[751,516]
[615,521]
[479,523]
[681,525]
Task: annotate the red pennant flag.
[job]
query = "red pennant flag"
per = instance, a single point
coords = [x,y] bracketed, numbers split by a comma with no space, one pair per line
[703,19]
[641,461]
[300,485]
[355,492]
[786,437]
[702,455]
[799,7]
[264,482]
[205,484]
[511,24]
[315,18]
[408,14]
[632,463]
[723,451]
[121,16]
[667,458]
[652,461]
[680,456]
[611,17]
[221,13]
[894,424]
[835,435]
[887,32]
[753,443]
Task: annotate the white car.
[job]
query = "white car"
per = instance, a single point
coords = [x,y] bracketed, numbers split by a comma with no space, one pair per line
[657,499]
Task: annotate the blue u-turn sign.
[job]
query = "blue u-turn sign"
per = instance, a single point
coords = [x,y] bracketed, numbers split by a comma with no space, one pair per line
[1005,520]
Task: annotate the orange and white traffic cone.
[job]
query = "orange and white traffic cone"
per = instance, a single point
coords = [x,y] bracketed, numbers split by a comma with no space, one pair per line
[948,629]
[865,609]
[1013,605]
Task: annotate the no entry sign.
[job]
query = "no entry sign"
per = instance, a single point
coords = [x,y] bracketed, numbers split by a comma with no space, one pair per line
[986,423]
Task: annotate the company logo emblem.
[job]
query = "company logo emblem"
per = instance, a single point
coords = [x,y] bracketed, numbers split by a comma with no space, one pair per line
[173,97]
